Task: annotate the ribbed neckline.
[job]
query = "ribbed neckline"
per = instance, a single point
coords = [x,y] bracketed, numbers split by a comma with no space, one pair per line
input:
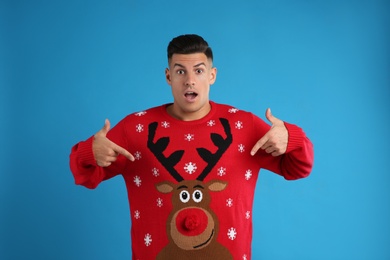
[204,119]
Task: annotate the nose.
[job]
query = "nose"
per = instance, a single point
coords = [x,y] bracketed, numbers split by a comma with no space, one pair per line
[191,221]
[190,80]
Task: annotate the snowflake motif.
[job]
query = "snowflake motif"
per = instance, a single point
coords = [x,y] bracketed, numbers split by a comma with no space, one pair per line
[233,110]
[148,239]
[229,202]
[190,167]
[244,257]
[137,155]
[248,174]
[248,214]
[165,124]
[140,113]
[159,202]
[239,125]
[241,148]
[221,171]
[189,137]
[137,214]
[139,128]
[155,172]
[211,123]
[232,233]
[137,180]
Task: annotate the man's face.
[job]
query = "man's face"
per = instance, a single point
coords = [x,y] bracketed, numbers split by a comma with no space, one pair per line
[190,77]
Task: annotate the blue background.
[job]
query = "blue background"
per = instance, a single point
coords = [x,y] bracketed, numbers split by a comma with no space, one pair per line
[324,65]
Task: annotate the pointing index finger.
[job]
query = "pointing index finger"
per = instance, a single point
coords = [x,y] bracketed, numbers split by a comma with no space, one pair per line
[124,152]
[259,144]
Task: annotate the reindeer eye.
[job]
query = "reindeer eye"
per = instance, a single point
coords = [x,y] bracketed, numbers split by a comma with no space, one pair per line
[184,196]
[197,196]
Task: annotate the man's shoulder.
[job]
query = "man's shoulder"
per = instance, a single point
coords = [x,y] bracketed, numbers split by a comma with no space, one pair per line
[231,110]
[145,114]
[150,110]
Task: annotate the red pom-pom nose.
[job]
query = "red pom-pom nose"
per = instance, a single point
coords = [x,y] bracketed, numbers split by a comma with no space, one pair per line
[191,222]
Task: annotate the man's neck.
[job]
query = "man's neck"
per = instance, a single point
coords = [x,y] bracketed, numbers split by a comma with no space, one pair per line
[183,115]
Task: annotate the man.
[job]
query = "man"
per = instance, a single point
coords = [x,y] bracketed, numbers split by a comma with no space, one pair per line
[191,167]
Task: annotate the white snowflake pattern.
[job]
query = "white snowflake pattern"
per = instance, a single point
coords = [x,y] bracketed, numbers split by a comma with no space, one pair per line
[148,239]
[244,257]
[137,214]
[229,202]
[189,137]
[248,214]
[140,113]
[248,174]
[211,123]
[241,148]
[155,172]
[137,180]
[137,155]
[190,167]
[159,202]
[221,171]
[139,128]
[233,110]
[232,233]
[165,124]
[239,125]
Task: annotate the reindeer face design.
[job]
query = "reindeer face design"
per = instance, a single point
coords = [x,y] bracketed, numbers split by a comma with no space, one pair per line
[192,226]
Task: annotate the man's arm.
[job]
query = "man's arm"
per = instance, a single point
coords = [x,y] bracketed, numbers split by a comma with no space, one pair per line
[92,161]
[275,140]
[292,152]
[105,151]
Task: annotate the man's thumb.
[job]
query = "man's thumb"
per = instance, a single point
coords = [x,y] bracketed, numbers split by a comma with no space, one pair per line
[106,127]
[269,116]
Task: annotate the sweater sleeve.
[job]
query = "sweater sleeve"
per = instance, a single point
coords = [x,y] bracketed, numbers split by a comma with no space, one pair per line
[84,168]
[297,161]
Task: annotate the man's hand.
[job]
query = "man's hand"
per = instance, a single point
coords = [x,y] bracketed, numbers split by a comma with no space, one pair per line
[105,151]
[275,140]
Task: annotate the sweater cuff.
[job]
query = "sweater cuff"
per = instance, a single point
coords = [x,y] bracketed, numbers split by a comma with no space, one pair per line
[85,154]
[295,137]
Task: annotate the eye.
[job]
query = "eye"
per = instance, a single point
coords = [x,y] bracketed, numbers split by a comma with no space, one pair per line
[180,72]
[197,196]
[184,196]
[199,71]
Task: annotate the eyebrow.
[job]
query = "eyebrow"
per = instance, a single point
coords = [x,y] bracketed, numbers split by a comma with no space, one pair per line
[197,65]
[198,186]
[182,187]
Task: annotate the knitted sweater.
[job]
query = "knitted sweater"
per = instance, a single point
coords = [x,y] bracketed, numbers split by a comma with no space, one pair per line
[191,186]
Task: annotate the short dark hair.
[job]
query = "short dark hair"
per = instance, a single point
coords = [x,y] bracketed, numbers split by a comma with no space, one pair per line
[189,44]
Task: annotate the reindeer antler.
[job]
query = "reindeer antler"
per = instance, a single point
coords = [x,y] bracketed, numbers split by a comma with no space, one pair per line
[157,149]
[211,159]
[221,143]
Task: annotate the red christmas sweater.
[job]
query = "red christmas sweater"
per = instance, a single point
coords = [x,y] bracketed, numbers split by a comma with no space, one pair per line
[191,187]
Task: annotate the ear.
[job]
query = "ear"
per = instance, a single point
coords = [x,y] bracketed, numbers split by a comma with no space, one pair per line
[216,185]
[165,187]
[168,76]
[213,75]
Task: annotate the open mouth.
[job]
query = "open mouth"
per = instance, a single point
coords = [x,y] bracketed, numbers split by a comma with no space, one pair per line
[190,95]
